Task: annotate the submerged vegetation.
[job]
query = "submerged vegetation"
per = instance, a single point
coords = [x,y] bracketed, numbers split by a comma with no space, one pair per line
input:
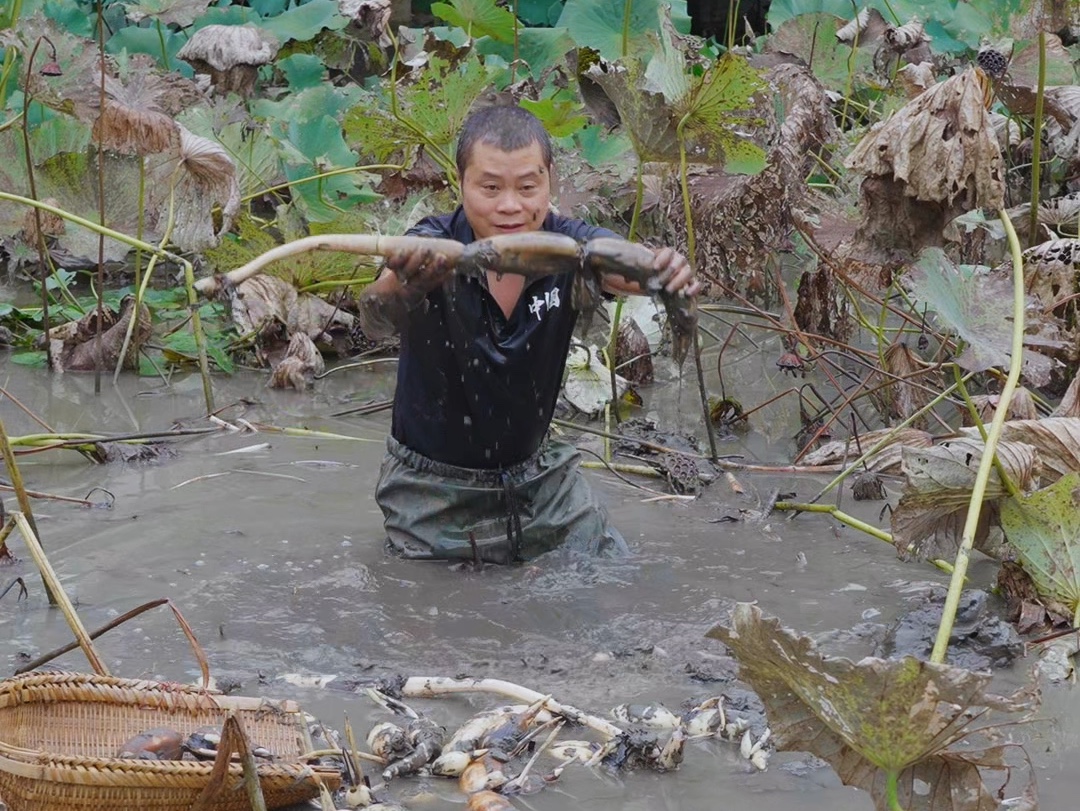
[918,165]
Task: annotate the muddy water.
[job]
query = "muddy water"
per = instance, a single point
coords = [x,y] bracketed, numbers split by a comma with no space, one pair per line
[272,548]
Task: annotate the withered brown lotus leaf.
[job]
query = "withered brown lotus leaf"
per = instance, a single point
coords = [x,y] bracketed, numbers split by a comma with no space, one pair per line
[131,122]
[885,460]
[870,718]
[1055,439]
[198,175]
[301,364]
[940,147]
[938,481]
[230,54]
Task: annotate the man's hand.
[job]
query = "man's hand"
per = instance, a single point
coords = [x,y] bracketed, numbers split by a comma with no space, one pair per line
[407,278]
[419,271]
[675,273]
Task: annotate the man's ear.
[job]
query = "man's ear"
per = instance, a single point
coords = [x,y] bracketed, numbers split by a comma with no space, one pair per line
[553,185]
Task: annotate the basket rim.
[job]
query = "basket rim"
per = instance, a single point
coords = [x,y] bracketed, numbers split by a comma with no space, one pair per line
[40,764]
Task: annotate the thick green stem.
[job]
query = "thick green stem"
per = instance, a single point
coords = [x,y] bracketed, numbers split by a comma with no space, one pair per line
[978,491]
[976,420]
[892,791]
[627,8]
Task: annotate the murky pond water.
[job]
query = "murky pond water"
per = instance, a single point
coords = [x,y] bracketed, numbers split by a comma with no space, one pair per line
[272,548]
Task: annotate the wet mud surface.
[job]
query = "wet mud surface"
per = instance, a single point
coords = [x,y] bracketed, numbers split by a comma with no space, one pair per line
[271,546]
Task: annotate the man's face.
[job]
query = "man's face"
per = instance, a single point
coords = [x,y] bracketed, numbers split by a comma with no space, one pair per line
[505,192]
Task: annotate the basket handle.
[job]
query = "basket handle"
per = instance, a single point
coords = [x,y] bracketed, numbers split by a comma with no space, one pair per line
[233,739]
[200,654]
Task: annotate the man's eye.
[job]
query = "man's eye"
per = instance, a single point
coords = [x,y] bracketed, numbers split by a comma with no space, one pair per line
[490,187]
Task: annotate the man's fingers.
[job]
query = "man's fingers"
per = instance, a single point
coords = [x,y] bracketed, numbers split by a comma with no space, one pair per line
[680,276]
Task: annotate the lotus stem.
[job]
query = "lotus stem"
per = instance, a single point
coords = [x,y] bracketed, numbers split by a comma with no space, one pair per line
[53,584]
[140,286]
[892,780]
[1036,143]
[609,353]
[967,539]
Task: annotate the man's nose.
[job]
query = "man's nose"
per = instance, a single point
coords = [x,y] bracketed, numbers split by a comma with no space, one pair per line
[509,201]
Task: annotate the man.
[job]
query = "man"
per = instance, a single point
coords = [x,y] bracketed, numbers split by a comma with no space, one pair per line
[468,472]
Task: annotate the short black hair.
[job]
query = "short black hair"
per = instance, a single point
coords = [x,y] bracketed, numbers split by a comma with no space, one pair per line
[505,127]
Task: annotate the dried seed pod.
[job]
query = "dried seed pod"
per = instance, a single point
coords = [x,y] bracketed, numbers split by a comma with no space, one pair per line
[993,62]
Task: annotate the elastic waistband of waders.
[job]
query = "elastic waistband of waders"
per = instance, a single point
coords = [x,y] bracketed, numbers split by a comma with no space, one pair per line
[506,479]
[484,477]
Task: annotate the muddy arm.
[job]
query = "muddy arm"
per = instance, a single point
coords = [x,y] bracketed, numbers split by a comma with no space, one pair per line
[385,305]
[364,244]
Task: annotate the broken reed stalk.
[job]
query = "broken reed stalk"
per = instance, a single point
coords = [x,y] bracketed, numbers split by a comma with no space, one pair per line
[189,273]
[435,686]
[52,582]
[21,496]
[45,658]
[986,463]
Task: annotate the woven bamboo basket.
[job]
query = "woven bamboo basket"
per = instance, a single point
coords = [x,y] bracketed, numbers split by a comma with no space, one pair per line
[59,733]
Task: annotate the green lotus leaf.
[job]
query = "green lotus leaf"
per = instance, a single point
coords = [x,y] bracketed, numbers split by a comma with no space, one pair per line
[480,18]
[1044,529]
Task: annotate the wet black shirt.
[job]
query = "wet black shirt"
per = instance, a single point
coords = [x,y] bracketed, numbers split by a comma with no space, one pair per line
[474,388]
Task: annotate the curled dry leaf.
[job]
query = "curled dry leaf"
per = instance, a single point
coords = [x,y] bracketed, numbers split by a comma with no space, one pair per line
[131,122]
[75,344]
[1021,407]
[201,175]
[372,15]
[271,308]
[864,28]
[885,460]
[1044,529]
[916,79]
[940,147]
[876,716]
[633,357]
[301,365]
[938,481]
[1056,440]
[230,54]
